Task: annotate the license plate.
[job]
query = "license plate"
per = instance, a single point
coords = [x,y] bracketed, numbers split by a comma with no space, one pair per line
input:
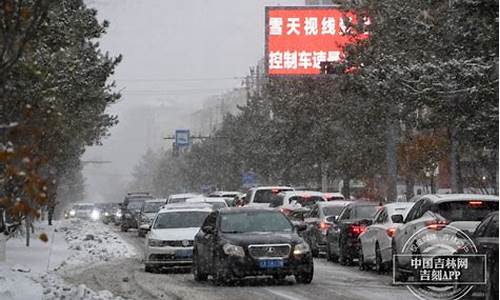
[271,263]
[187,253]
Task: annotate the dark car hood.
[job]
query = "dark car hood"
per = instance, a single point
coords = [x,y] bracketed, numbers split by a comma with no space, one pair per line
[253,238]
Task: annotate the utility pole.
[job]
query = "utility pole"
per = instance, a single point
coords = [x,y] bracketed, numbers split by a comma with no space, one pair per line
[392,156]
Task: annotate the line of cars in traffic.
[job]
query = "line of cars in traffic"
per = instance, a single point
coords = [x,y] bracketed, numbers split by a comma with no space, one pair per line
[276,230]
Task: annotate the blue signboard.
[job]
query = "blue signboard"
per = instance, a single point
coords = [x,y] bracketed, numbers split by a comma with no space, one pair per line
[182,138]
[249,179]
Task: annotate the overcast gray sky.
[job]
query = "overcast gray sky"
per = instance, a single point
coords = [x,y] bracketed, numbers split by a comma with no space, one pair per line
[176,53]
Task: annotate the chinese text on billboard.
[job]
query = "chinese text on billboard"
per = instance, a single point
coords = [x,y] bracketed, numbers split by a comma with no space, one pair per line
[298,39]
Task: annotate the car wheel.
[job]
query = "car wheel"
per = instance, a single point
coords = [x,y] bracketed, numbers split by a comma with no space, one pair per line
[343,259]
[379,265]
[330,255]
[398,275]
[314,249]
[198,274]
[305,277]
[220,276]
[361,260]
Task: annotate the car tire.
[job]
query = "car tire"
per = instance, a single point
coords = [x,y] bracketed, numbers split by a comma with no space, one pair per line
[314,249]
[220,276]
[361,260]
[379,265]
[398,275]
[198,274]
[305,277]
[330,255]
[343,259]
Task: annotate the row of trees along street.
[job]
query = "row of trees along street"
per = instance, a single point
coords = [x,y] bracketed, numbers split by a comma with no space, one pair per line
[421,90]
[53,96]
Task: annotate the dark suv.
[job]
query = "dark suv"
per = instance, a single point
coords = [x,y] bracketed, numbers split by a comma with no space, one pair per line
[342,242]
[131,208]
[239,242]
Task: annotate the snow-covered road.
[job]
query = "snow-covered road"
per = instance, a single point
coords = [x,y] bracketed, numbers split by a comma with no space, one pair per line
[126,277]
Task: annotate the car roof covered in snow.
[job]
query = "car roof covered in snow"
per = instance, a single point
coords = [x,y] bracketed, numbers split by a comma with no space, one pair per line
[186,207]
[459,197]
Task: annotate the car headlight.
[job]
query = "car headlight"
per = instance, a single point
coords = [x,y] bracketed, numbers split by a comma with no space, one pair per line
[233,250]
[106,214]
[118,214]
[301,248]
[155,243]
[72,212]
[94,215]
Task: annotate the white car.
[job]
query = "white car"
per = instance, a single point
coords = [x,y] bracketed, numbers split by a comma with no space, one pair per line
[170,239]
[264,195]
[229,196]
[85,211]
[216,203]
[148,212]
[436,212]
[376,241]
[177,198]
[291,200]
[334,196]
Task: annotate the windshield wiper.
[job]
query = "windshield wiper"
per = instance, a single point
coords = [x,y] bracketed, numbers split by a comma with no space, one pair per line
[233,231]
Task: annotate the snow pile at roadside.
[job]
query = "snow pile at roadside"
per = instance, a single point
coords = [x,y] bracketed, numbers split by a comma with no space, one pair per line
[31,272]
[16,285]
[55,289]
[92,242]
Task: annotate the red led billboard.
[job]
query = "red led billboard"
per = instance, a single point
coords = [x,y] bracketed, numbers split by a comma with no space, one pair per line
[299,38]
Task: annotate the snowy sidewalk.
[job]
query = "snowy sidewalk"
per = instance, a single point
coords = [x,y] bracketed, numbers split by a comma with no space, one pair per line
[31,272]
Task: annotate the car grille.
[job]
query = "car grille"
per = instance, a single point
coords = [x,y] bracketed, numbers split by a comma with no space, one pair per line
[185,243]
[166,257]
[272,250]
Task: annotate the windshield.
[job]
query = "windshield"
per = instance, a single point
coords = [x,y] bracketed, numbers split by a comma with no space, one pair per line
[180,219]
[267,196]
[332,210]
[306,201]
[177,200]
[135,204]
[84,207]
[365,211]
[466,210]
[255,222]
[217,205]
[152,207]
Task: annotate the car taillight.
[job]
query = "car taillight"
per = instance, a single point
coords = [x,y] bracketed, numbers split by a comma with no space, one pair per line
[391,231]
[323,225]
[436,225]
[357,229]
[475,203]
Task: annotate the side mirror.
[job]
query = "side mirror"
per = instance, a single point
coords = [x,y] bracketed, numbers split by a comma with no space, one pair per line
[300,227]
[367,222]
[146,227]
[397,219]
[332,219]
[208,229]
